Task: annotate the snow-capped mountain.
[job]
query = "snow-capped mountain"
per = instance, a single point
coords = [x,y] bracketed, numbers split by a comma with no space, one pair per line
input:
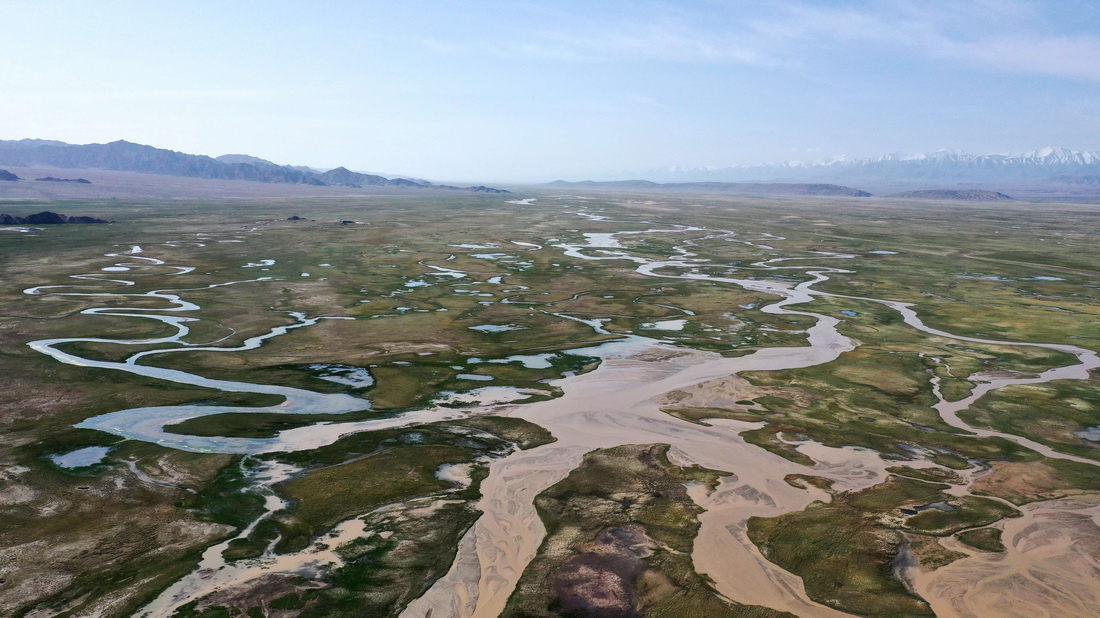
[1059,164]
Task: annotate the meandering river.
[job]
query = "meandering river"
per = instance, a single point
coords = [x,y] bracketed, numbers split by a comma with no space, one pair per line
[610,406]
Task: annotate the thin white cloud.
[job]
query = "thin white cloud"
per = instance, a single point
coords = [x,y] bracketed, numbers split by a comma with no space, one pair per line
[1073,57]
[999,35]
[665,40]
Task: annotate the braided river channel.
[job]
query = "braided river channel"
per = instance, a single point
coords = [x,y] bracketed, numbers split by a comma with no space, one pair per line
[615,404]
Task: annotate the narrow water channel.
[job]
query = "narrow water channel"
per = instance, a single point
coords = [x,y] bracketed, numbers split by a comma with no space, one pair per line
[609,406]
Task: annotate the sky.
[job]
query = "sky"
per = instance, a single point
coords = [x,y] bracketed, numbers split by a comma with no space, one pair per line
[534,91]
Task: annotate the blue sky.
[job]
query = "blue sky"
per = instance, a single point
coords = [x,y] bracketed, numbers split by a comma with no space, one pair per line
[499,91]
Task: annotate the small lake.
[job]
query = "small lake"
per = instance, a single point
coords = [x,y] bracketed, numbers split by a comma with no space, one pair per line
[1092,434]
[81,458]
[669,325]
[497,328]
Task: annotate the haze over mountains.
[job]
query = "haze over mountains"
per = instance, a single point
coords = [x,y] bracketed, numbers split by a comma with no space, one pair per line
[938,175]
[1058,165]
[130,157]
[762,188]
[942,174]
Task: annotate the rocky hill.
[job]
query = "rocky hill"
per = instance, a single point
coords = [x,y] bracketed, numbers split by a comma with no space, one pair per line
[6,175]
[343,177]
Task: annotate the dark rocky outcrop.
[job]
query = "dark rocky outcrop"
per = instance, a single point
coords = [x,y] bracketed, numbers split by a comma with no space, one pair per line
[6,175]
[82,181]
[965,195]
[46,218]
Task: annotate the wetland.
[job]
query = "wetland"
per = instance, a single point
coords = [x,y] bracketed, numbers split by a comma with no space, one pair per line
[554,404]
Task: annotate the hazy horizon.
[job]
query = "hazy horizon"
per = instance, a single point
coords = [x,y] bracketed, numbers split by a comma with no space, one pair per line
[532,92]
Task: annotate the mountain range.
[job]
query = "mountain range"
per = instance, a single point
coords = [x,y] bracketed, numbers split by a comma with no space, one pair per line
[745,188]
[1039,172]
[1058,165]
[128,156]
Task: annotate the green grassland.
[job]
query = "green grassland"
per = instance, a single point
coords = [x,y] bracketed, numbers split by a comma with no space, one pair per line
[85,538]
[388,479]
[1051,413]
[985,539]
[847,551]
[400,464]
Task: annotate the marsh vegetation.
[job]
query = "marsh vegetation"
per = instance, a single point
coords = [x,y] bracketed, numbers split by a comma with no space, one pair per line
[442,324]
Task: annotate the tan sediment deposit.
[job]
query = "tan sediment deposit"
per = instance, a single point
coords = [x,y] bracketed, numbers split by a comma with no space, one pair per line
[723,550]
[613,406]
[727,391]
[1049,568]
[618,404]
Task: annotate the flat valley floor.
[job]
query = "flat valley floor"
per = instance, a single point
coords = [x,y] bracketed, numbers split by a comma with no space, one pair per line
[547,404]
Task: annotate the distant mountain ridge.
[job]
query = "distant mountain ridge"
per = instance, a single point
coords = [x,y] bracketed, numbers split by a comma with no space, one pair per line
[130,157]
[232,159]
[127,156]
[1046,164]
[344,177]
[1088,179]
[964,195]
[79,181]
[757,188]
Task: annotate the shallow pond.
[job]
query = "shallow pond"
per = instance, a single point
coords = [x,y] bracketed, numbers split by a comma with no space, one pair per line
[80,458]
